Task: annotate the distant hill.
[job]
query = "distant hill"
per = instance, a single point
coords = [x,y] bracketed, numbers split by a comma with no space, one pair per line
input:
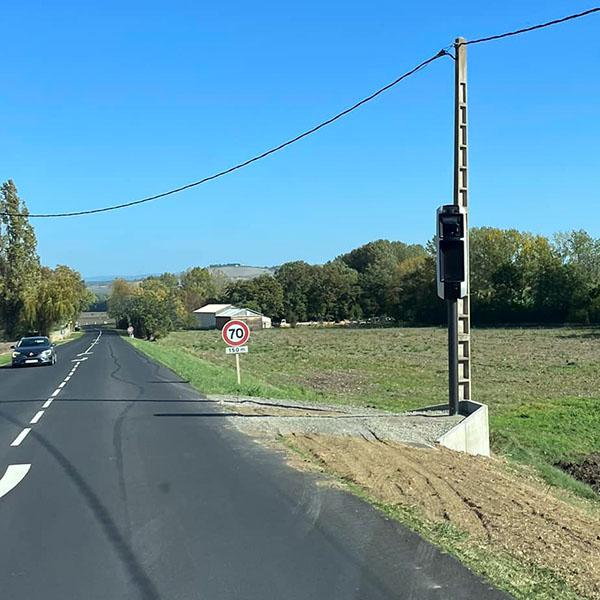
[107,279]
[101,284]
[241,272]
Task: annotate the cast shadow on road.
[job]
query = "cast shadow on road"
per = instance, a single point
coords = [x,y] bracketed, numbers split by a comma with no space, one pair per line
[102,400]
[250,416]
[227,414]
[125,553]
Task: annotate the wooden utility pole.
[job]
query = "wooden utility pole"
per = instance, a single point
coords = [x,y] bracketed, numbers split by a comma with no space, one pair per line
[461,317]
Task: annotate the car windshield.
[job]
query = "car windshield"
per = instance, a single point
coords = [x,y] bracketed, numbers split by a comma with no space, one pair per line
[33,341]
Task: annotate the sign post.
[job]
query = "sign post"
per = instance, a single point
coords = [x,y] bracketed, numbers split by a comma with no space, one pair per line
[235,334]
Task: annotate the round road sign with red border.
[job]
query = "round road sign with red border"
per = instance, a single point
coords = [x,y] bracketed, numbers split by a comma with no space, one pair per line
[235,333]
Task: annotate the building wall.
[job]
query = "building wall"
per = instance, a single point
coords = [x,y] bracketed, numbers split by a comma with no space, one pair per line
[254,323]
[206,320]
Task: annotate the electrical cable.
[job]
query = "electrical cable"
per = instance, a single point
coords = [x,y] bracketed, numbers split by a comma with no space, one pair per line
[242,164]
[314,129]
[532,28]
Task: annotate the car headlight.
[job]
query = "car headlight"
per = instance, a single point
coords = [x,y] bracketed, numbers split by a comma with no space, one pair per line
[16,354]
[46,353]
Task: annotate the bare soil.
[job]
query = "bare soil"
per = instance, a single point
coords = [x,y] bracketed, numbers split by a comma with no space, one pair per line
[499,508]
[586,470]
[335,381]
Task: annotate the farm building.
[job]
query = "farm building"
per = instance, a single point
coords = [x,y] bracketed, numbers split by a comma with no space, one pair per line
[214,316]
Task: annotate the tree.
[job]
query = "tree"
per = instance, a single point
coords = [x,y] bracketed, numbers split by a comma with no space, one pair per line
[340,291]
[263,293]
[375,263]
[197,286]
[60,296]
[517,277]
[120,302]
[153,307]
[150,313]
[412,295]
[296,279]
[165,289]
[580,254]
[19,262]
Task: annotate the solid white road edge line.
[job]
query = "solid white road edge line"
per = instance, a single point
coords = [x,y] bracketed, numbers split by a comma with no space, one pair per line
[38,415]
[21,436]
[13,476]
[47,403]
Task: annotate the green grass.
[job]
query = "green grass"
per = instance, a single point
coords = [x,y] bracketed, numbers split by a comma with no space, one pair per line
[542,385]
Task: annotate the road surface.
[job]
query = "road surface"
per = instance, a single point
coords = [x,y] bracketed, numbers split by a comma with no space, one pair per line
[118,481]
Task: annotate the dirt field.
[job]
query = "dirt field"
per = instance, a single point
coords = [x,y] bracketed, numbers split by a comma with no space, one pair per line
[497,507]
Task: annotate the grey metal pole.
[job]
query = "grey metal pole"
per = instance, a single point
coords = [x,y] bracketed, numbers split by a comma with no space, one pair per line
[452,356]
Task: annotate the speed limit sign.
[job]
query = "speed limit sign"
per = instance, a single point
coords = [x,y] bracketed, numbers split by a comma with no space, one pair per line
[235,333]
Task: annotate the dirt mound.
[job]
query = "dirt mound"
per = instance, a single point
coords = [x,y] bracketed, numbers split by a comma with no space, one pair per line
[586,470]
[478,495]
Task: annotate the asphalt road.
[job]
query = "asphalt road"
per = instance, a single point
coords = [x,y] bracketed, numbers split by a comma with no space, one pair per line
[137,489]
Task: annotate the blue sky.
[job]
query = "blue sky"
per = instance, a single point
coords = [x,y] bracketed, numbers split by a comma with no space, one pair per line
[105,102]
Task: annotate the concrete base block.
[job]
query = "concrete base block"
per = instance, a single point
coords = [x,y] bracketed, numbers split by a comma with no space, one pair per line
[472,434]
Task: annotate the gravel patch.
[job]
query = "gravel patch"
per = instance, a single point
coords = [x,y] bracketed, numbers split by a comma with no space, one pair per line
[269,417]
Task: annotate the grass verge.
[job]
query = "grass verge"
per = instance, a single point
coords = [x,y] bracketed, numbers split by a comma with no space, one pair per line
[203,375]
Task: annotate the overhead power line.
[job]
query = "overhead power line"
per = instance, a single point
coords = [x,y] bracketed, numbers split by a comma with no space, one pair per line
[500,36]
[314,129]
[251,160]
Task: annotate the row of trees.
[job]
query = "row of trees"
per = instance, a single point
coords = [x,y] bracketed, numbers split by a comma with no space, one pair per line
[516,277]
[33,298]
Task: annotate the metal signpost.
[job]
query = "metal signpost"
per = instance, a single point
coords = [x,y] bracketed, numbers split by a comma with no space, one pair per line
[235,334]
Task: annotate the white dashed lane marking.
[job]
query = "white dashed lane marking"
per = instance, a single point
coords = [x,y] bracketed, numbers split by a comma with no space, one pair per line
[17,441]
[38,415]
[15,473]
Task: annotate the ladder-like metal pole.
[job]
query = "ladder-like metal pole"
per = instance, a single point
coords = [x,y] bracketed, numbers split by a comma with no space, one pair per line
[462,317]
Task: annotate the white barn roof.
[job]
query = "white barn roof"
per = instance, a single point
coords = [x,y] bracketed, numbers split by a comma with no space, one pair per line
[212,308]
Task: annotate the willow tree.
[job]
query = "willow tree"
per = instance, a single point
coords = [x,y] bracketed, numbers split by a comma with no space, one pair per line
[19,262]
